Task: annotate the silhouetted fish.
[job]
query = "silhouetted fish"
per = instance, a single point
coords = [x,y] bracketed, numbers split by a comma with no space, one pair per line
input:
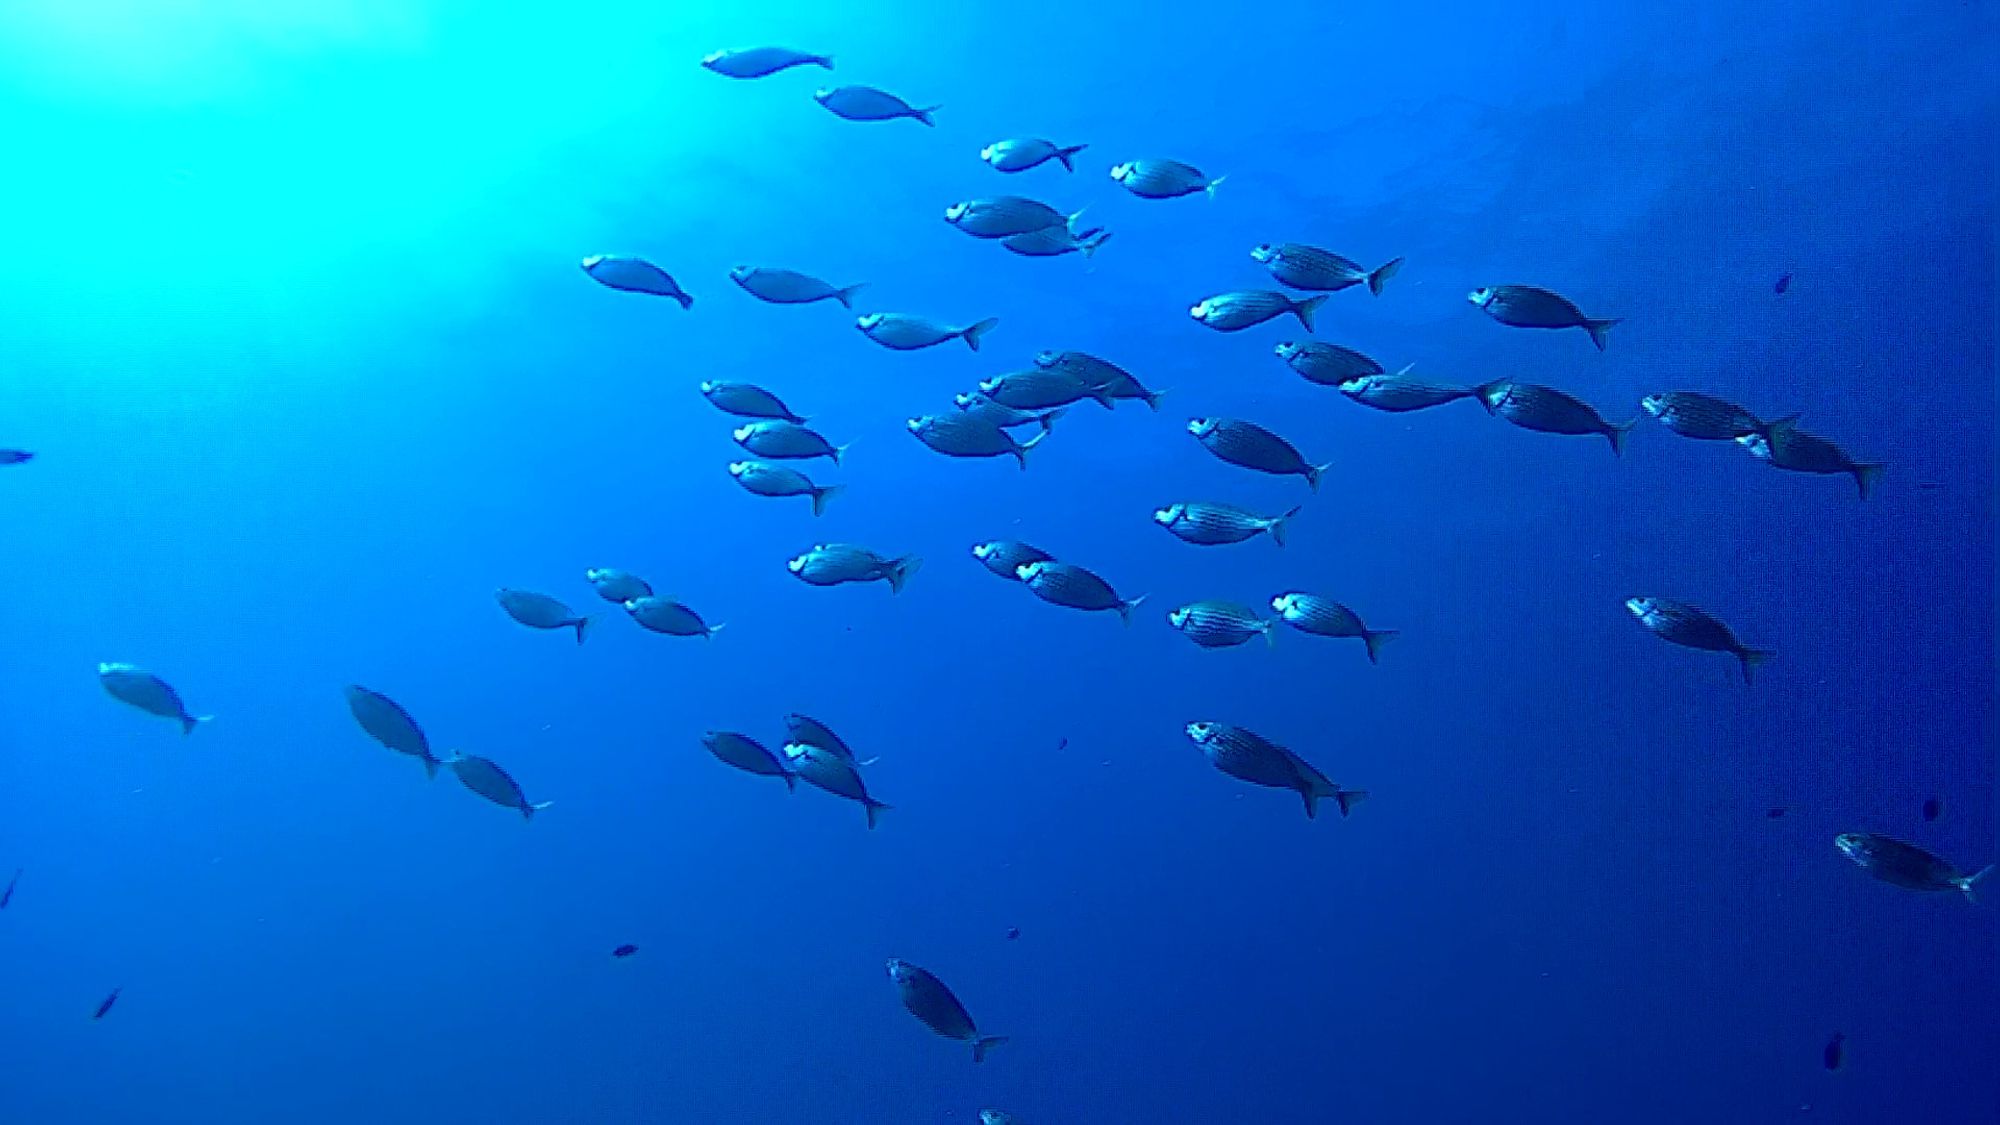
[1836,1047]
[7,895]
[105,1005]
[1933,808]
[1907,865]
[1783,284]
[929,1000]
[626,950]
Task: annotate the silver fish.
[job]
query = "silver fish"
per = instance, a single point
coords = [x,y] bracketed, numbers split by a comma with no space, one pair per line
[1052,242]
[1065,584]
[1113,380]
[1000,414]
[539,611]
[830,564]
[1784,446]
[1215,624]
[1550,411]
[764,479]
[387,723]
[1019,155]
[929,1000]
[961,434]
[1211,525]
[1399,393]
[788,287]
[665,615]
[756,62]
[865,103]
[1704,417]
[1006,557]
[133,685]
[1248,756]
[1041,388]
[1686,625]
[905,332]
[1329,365]
[833,773]
[487,779]
[776,438]
[1907,865]
[635,275]
[1007,215]
[1324,617]
[747,400]
[616,586]
[747,754]
[1233,312]
[1309,267]
[1251,446]
[1524,306]
[1163,179]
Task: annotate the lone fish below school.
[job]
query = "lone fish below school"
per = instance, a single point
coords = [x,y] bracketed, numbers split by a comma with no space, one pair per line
[929,1000]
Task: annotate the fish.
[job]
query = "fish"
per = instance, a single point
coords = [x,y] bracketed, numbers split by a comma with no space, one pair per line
[1686,625]
[1114,381]
[131,684]
[997,1117]
[960,434]
[1233,312]
[665,615]
[1066,584]
[747,400]
[385,721]
[1164,179]
[617,586]
[782,440]
[1324,617]
[1933,808]
[1023,153]
[1248,756]
[1783,283]
[1784,446]
[1215,624]
[830,564]
[1524,306]
[1907,865]
[635,275]
[1703,417]
[1052,242]
[1399,393]
[764,479]
[1250,446]
[626,950]
[757,62]
[789,287]
[104,1005]
[1042,388]
[866,103]
[1775,812]
[1835,1050]
[808,731]
[930,1001]
[905,332]
[539,611]
[1309,267]
[985,409]
[747,754]
[1006,216]
[1550,411]
[1006,557]
[1013,933]
[1211,525]
[20,456]
[487,779]
[1329,365]
[835,774]
[7,895]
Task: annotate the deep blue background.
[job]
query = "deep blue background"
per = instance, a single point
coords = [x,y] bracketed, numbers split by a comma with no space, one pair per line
[293,318]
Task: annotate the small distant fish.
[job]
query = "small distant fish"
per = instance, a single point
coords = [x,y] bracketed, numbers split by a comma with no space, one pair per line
[747,400]
[1686,625]
[1309,267]
[866,103]
[1703,417]
[747,754]
[788,287]
[7,895]
[929,1000]
[1211,525]
[835,774]
[1550,411]
[15,456]
[756,62]
[1907,865]
[1329,365]
[985,409]
[1111,380]
[1216,624]
[487,779]
[1784,446]
[625,950]
[1163,179]
[1250,446]
[1399,393]
[1524,306]
[385,721]
[1248,756]
[1013,933]
[904,332]
[1324,617]
[635,275]
[997,1117]
[764,479]
[617,586]
[1006,557]
[1052,242]
[830,564]
[1233,312]
[781,440]
[1775,812]
[1784,283]
[1042,388]
[962,434]
[1066,584]
[1836,1047]
[1933,808]
[1021,154]
[131,684]
[540,611]
[1006,216]
[808,731]
[105,1005]
[665,615]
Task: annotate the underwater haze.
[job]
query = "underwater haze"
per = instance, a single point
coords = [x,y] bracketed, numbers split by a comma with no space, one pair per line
[293,324]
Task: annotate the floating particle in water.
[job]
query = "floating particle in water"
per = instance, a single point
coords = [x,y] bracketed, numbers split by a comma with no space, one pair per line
[1774,812]
[1933,808]
[1783,284]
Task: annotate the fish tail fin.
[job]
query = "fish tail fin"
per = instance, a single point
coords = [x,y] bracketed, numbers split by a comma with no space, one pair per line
[1069,224]
[874,808]
[1599,329]
[1276,528]
[1093,240]
[1048,420]
[1865,477]
[189,722]
[1064,154]
[1021,448]
[840,451]
[686,300]
[430,769]
[924,114]
[900,571]
[1481,391]
[1270,630]
[984,1044]
[1209,188]
[710,631]
[528,811]
[1315,472]
[1751,658]
[1309,793]
[846,296]
[1374,639]
[1969,885]
[822,494]
[791,781]
[1616,433]
[1382,274]
[1126,607]
[582,626]
[823,61]
[1349,798]
[973,333]
[1152,399]
[1304,309]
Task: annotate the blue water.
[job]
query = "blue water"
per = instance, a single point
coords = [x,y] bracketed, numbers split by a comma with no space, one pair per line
[293,320]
